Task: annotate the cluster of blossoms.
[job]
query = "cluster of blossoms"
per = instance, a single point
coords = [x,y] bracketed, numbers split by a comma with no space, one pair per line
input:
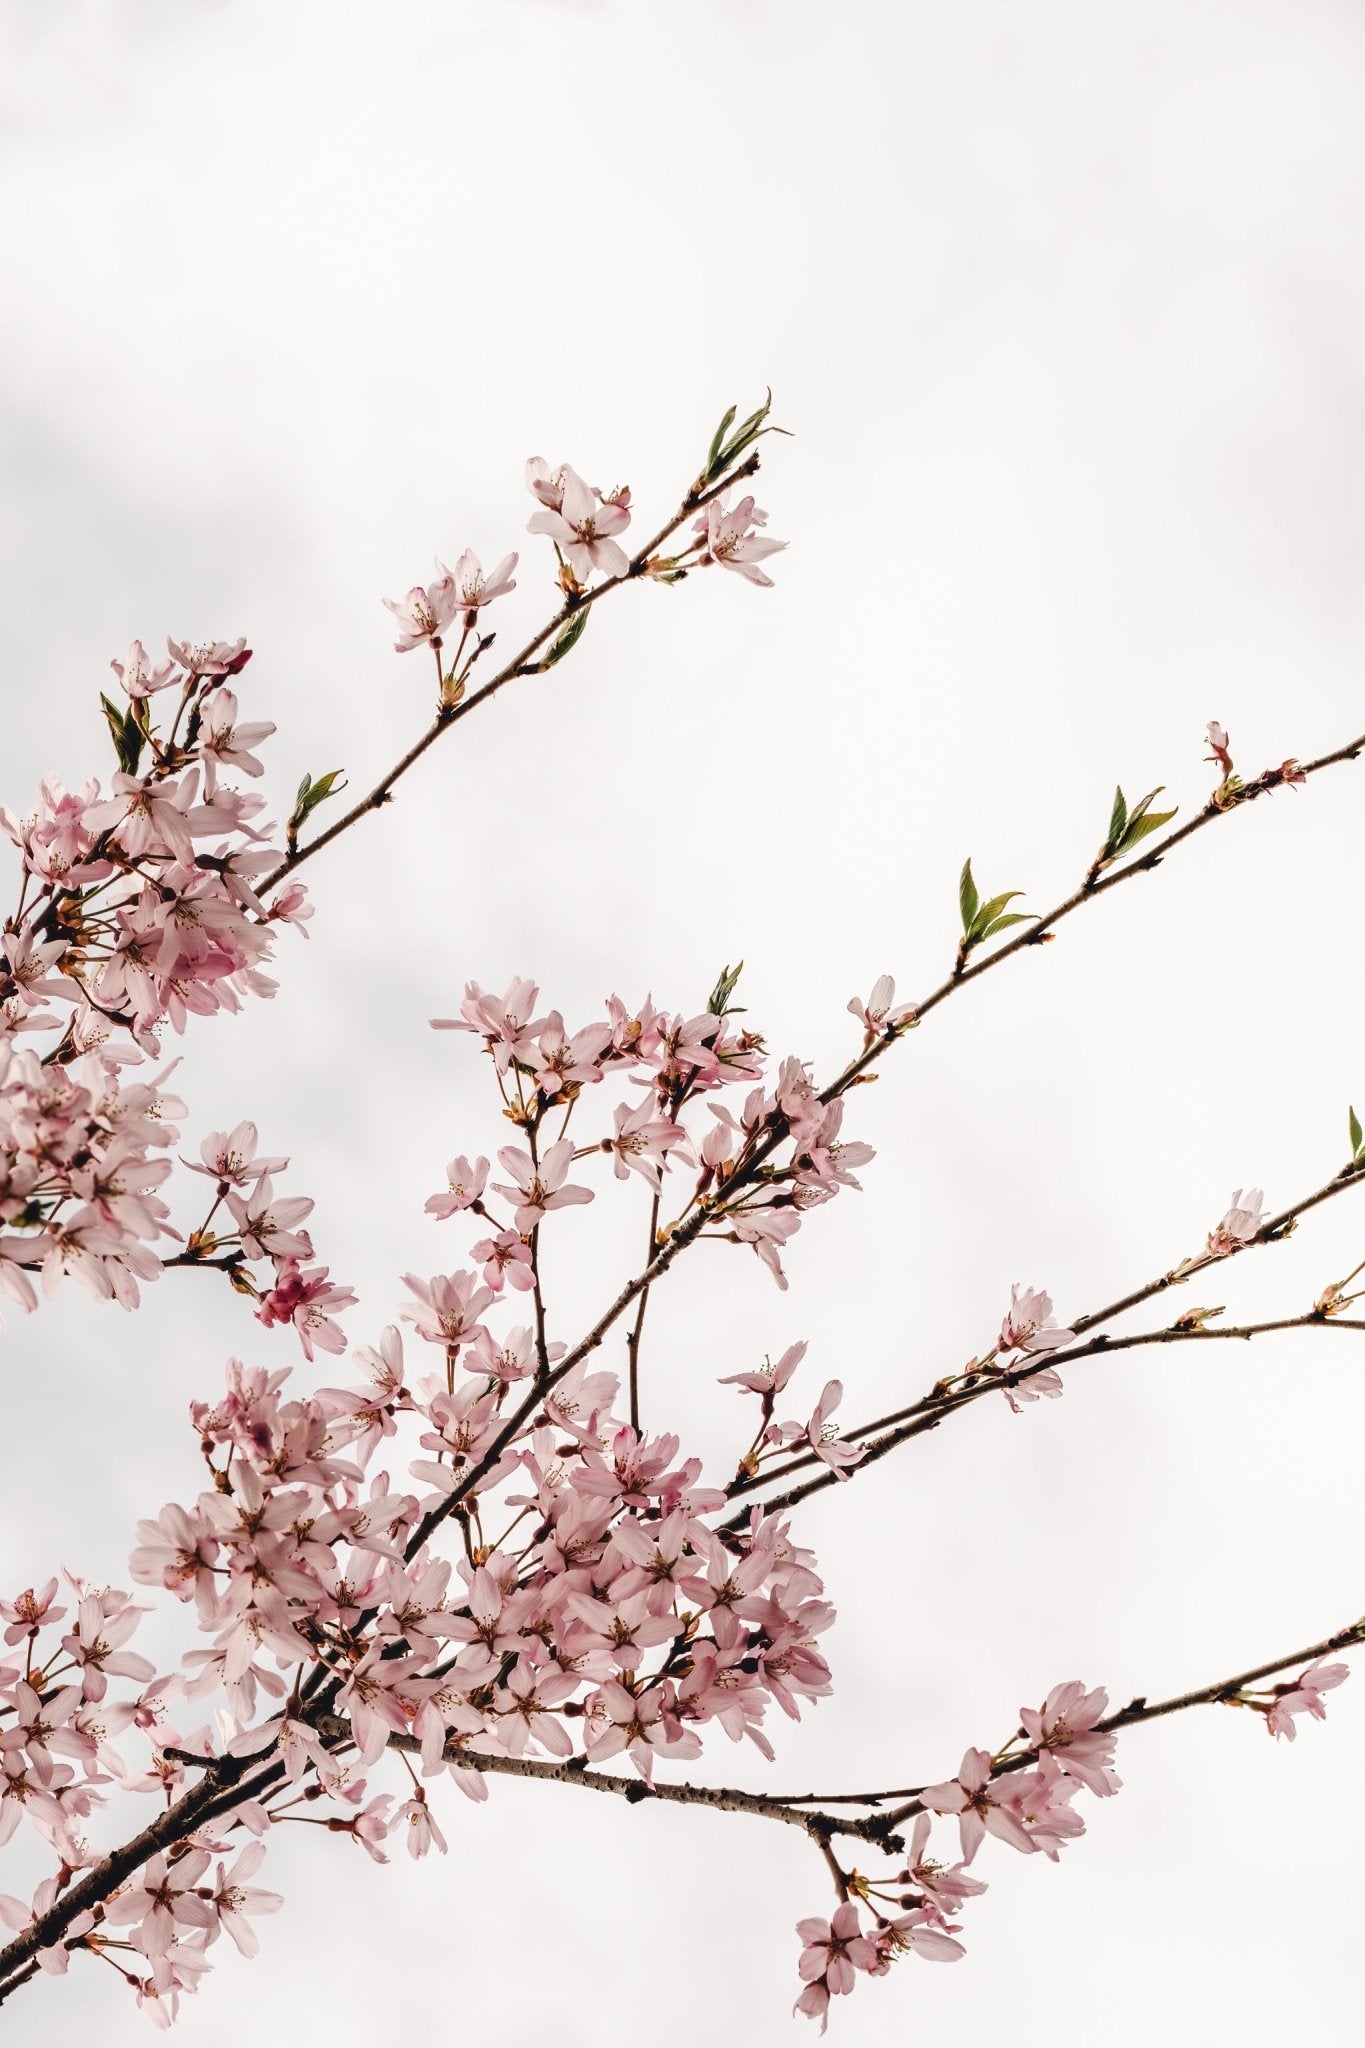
[138,908]
[583,522]
[617,1613]
[1067,1750]
[490,1566]
[675,1063]
[1022,1795]
[619,1622]
[80,1159]
[156,899]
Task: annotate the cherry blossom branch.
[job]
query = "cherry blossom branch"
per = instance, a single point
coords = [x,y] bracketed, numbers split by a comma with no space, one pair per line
[221,1790]
[1222,1692]
[1040,929]
[919,1417]
[522,663]
[712,1207]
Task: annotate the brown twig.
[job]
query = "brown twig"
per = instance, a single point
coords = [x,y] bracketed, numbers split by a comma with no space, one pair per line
[1138,1710]
[521,664]
[927,1413]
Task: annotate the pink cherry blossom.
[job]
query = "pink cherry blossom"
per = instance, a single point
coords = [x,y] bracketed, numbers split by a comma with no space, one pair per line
[946,1887]
[165,1899]
[1029,1323]
[231,1156]
[1304,1697]
[1065,1725]
[730,537]
[424,614]
[642,1142]
[834,1951]
[210,657]
[823,1435]
[583,525]
[140,676]
[466,1186]
[1219,743]
[505,1022]
[768,1379]
[233,1900]
[983,1805]
[473,589]
[304,1297]
[1240,1226]
[539,1187]
[224,743]
[880,1013]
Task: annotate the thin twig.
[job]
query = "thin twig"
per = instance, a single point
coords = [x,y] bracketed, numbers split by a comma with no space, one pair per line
[633,1340]
[920,1416]
[1222,1692]
[522,663]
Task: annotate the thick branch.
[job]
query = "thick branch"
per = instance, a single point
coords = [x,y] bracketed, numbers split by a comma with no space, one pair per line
[720,1798]
[219,1791]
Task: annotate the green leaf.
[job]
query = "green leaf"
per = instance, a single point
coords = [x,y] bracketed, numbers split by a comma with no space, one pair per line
[989,911]
[718,1002]
[998,924]
[567,639]
[1138,828]
[311,794]
[1141,810]
[724,452]
[128,731]
[968,900]
[1118,818]
[1357,1136]
[718,439]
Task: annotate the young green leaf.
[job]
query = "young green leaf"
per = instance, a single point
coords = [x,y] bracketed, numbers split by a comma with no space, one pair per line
[718,1002]
[724,452]
[998,924]
[310,795]
[128,731]
[968,900]
[988,912]
[718,438]
[1357,1137]
[1138,828]
[566,640]
[1118,818]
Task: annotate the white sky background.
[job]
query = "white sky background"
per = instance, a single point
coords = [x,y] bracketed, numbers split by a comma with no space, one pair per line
[1065,306]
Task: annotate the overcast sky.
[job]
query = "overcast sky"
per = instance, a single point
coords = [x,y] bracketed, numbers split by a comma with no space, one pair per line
[1064,305]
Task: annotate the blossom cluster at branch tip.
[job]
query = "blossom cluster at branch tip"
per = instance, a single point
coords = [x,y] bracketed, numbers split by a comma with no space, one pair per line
[1029,1809]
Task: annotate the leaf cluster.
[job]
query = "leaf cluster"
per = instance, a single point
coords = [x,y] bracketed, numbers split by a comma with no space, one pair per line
[1127,829]
[983,920]
[310,795]
[727,446]
[130,730]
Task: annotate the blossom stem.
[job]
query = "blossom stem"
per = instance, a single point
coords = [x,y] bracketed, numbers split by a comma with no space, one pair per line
[633,1341]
